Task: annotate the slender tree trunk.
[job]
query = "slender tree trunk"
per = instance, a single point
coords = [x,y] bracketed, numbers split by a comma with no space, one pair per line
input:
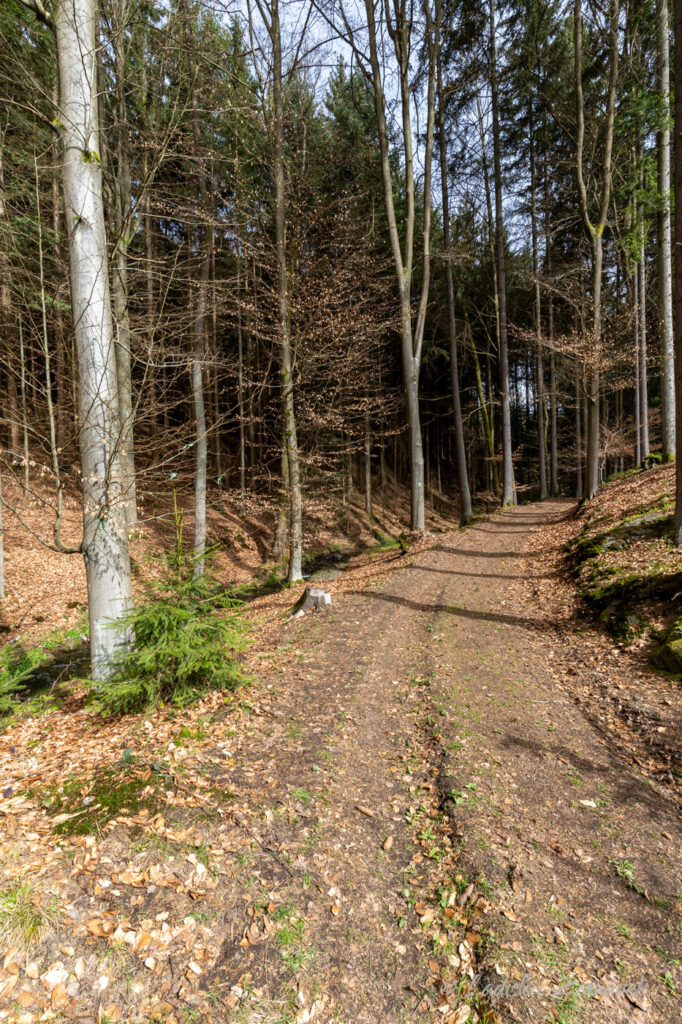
[105,539]
[240,387]
[7,322]
[295,571]
[368,465]
[122,208]
[643,362]
[24,405]
[403,254]
[198,359]
[539,370]
[2,548]
[553,440]
[465,509]
[487,423]
[677,520]
[578,440]
[637,361]
[508,484]
[203,245]
[279,544]
[665,291]
[60,352]
[594,383]
[594,230]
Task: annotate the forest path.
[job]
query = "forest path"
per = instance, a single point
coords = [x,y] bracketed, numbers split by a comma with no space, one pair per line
[411,798]
[427,706]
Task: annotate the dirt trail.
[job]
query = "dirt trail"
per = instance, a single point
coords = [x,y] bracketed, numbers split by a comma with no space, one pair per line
[521,846]
[406,818]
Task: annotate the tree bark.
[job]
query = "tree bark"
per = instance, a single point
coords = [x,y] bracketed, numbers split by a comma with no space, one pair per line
[578,441]
[122,210]
[465,509]
[637,362]
[643,362]
[295,570]
[677,519]
[400,30]
[368,465]
[105,539]
[508,484]
[539,369]
[665,293]
[594,230]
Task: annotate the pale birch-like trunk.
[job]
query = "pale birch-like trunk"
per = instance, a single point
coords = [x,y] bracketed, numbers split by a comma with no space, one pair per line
[105,539]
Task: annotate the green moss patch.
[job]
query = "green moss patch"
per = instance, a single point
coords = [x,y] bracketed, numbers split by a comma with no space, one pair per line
[85,806]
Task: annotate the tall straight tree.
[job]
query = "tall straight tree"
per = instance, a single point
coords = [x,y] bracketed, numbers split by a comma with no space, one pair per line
[465,509]
[677,518]
[595,229]
[402,24]
[665,276]
[105,537]
[508,485]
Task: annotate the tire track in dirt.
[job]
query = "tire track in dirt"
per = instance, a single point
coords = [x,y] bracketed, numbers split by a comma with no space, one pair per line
[353,728]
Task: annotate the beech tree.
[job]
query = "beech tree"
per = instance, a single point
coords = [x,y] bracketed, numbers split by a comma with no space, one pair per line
[105,538]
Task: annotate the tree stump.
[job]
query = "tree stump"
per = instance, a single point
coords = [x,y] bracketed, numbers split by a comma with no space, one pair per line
[312,597]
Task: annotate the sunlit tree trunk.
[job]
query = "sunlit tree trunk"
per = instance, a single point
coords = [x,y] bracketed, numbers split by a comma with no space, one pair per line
[105,538]
[465,512]
[508,484]
[595,230]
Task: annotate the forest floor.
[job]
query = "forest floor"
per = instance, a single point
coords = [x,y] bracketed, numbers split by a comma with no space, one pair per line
[428,805]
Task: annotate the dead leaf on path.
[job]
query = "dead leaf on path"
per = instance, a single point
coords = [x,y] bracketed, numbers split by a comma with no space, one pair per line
[365,810]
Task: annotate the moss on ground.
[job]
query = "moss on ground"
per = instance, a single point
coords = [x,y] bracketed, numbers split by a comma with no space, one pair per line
[91,803]
[617,594]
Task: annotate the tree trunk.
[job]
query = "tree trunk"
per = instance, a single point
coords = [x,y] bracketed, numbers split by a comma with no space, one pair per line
[508,485]
[665,294]
[198,358]
[403,253]
[677,520]
[122,210]
[643,367]
[368,465]
[539,370]
[594,230]
[594,384]
[553,440]
[105,539]
[578,441]
[465,509]
[637,388]
[295,571]
[2,548]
